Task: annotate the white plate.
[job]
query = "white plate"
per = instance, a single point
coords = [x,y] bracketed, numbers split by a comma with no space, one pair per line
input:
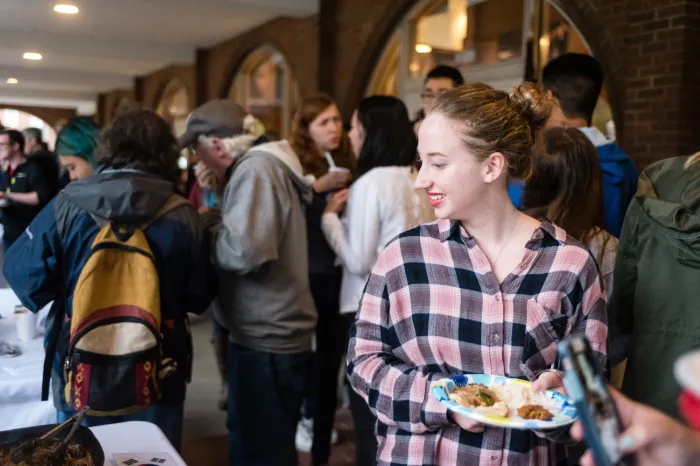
[564,414]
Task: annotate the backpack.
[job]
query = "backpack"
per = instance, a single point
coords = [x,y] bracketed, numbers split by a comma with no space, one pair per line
[115,362]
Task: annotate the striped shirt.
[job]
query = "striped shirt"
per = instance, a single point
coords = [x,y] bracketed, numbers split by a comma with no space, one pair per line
[433,308]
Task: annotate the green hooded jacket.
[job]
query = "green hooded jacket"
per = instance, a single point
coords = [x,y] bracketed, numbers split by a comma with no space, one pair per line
[656,298]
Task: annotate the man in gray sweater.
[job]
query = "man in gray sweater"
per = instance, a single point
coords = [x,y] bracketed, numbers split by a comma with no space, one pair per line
[265,301]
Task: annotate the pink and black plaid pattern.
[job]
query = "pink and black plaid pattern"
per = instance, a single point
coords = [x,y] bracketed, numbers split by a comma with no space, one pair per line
[433,308]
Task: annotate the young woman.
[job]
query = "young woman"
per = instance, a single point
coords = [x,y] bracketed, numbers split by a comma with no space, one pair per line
[566,188]
[486,289]
[319,142]
[75,147]
[381,204]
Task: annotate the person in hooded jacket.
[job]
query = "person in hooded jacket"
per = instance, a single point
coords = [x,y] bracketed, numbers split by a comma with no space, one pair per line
[138,154]
[264,295]
[657,272]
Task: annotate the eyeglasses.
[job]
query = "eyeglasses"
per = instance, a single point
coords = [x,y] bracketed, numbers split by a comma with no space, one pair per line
[429,95]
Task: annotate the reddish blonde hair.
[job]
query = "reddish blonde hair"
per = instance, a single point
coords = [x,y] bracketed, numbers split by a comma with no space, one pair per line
[313,162]
[495,121]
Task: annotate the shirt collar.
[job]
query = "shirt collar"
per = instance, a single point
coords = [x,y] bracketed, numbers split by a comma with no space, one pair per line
[450,229]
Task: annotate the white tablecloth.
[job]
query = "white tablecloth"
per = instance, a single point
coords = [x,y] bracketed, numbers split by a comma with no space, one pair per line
[134,437]
[20,377]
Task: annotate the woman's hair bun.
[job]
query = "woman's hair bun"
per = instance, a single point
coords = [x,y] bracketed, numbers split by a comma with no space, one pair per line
[533,103]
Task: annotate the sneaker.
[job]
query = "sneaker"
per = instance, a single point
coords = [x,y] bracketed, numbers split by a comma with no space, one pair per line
[305,435]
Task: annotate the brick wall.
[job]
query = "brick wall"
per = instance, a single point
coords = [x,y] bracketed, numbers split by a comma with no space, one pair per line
[50,115]
[648,49]
[364,27]
[295,38]
[660,79]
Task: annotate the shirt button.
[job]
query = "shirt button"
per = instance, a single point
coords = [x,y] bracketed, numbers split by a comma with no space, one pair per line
[498,298]
[494,457]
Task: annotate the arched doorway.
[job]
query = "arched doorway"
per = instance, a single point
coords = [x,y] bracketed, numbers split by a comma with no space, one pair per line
[490,41]
[19,120]
[264,85]
[174,106]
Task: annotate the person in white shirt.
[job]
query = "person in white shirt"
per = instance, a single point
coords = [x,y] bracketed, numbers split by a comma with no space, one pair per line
[381,204]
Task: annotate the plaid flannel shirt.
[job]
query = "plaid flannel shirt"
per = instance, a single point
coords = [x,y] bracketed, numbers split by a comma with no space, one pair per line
[433,308]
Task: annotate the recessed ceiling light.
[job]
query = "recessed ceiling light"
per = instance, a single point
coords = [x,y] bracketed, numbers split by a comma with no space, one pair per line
[12,81]
[66,9]
[32,56]
[423,48]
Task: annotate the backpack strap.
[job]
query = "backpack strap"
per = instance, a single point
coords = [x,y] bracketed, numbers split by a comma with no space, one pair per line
[59,306]
[172,203]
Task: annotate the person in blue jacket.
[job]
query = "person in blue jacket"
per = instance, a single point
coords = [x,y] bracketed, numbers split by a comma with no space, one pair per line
[137,156]
[576,81]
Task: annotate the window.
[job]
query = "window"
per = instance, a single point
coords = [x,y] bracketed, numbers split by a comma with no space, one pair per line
[174,106]
[489,41]
[264,85]
[16,119]
[465,33]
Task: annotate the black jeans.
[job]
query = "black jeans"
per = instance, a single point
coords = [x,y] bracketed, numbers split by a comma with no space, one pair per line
[331,344]
[265,395]
[364,420]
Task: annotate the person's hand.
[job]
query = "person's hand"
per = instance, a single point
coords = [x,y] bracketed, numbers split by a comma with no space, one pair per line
[337,202]
[652,436]
[205,176]
[466,423]
[548,380]
[332,181]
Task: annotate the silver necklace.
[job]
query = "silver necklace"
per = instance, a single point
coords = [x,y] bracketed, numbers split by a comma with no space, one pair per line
[512,229]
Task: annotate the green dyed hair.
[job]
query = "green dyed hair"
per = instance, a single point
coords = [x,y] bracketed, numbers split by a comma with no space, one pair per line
[78,138]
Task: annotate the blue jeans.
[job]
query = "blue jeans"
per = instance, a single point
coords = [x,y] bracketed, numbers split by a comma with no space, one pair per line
[168,417]
[265,394]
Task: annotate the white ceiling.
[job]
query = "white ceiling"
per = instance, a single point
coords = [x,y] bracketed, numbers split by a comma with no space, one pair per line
[111,41]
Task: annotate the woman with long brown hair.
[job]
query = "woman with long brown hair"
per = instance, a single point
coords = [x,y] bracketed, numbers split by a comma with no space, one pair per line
[322,146]
[566,188]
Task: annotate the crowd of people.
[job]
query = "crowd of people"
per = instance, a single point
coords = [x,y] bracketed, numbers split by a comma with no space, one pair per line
[469,240]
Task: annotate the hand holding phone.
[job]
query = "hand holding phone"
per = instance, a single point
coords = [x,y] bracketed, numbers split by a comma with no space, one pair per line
[654,438]
[586,386]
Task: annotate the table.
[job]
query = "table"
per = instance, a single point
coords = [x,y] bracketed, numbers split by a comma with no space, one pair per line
[20,377]
[134,437]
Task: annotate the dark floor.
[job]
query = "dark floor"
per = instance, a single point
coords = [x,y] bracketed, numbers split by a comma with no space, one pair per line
[212,451]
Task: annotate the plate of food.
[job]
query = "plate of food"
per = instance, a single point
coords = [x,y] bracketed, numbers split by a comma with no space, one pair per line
[83,449]
[504,402]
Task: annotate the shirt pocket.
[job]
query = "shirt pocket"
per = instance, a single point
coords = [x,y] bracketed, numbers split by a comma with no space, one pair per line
[545,326]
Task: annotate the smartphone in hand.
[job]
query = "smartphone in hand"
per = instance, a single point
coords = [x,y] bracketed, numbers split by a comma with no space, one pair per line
[587,387]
